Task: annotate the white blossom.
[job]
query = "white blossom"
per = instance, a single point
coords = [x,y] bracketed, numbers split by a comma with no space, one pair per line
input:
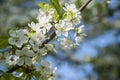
[34,26]
[43,19]
[25,56]
[12,60]
[44,66]
[80,29]
[66,43]
[72,14]
[50,47]
[45,15]
[18,38]
[62,28]
[47,10]
[78,39]
[48,26]
[3,57]
[70,7]
[28,42]
[41,52]
[36,40]
[79,34]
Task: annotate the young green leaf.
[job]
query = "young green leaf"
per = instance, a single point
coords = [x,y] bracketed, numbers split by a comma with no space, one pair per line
[41,5]
[56,4]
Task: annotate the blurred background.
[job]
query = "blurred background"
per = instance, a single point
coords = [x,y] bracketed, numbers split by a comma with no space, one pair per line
[97,57]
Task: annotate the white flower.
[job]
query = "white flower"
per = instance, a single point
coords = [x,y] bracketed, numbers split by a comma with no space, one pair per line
[46,72]
[63,27]
[3,57]
[79,29]
[47,10]
[43,19]
[36,40]
[79,34]
[25,56]
[50,47]
[34,44]
[72,14]
[40,27]
[48,26]
[45,67]
[12,59]
[70,7]
[34,26]
[41,52]
[66,43]
[18,37]
[78,39]
[45,16]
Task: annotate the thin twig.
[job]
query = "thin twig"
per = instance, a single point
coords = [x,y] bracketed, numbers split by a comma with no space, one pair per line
[5,49]
[85,5]
[52,36]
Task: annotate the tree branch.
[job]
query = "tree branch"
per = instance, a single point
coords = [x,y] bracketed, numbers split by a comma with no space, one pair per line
[84,6]
[51,37]
[54,34]
[5,49]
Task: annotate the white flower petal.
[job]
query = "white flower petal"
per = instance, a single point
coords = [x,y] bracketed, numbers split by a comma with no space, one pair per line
[19,53]
[23,39]
[30,53]
[20,61]
[12,40]
[38,58]
[28,61]
[65,34]
[19,44]
[12,33]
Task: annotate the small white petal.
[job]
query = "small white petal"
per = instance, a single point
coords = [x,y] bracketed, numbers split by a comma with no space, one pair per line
[12,40]
[66,34]
[30,53]
[19,53]
[28,61]
[19,44]
[20,61]
[12,33]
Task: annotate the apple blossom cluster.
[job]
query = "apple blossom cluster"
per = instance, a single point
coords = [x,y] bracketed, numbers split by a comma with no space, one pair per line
[27,48]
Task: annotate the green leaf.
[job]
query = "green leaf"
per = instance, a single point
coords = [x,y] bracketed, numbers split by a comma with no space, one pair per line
[37,74]
[41,5]
[64,15]
[56,4]
[79,3]
[56,16]
[44,6]
[69,15]
[9,76]
[3,41]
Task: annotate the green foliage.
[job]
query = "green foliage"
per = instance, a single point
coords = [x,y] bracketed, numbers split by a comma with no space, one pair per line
[3,41]
[41,5]
[56,4]
[101,9]
[78,3]
[44,7]
[9,77]
[37,74]
[56,16]
[69,15]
